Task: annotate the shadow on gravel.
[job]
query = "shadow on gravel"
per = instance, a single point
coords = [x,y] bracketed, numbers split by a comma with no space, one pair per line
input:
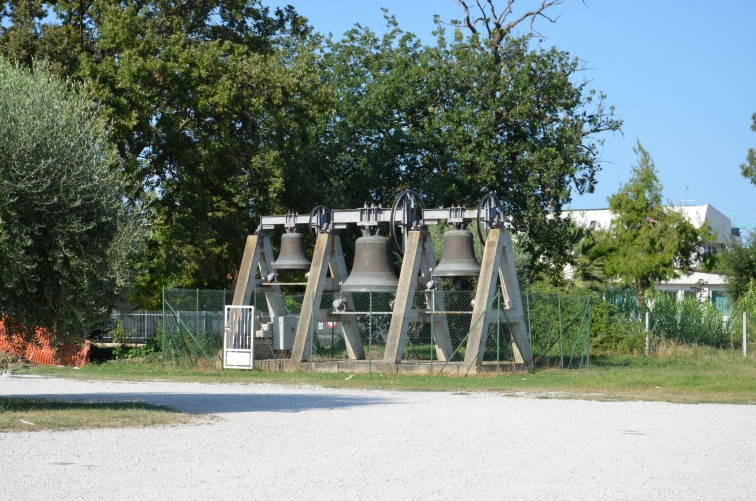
[220,403]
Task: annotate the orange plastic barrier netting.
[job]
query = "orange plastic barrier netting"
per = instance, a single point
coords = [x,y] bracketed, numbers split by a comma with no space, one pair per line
[39,351]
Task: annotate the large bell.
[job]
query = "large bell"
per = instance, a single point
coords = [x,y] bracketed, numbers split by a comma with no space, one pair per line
[372,267]
[458,258]
[292,255]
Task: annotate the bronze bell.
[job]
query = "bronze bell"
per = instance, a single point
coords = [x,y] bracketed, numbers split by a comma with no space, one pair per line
[372,267]
[292,255]
[458,258]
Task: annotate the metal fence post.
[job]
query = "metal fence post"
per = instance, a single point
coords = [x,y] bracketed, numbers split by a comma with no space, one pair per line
[432,326]
[745,335]
[530,330]
[588,335]
[561,339]
[648,332]
[162,352]
[370,332]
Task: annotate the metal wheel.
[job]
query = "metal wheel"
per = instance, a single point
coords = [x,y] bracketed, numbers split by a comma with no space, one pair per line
[320,218]
[490,215]
[411,206]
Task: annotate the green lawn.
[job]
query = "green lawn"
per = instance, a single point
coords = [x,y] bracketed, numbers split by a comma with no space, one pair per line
[687,375]
[33,414]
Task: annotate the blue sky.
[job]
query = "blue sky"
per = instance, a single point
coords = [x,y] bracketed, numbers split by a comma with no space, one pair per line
[681,74]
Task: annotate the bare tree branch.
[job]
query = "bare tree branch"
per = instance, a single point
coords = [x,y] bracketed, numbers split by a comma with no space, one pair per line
[497,25]
[469,24]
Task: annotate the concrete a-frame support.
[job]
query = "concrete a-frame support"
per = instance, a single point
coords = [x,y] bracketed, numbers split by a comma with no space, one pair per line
[327,256]
[497,264]
[258,254]
[416,265]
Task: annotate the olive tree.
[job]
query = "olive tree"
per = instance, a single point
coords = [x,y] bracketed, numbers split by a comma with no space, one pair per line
[68,233]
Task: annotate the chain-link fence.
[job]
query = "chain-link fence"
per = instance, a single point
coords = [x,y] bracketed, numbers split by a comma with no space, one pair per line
[683,321]
[356,321]
[192,327]
[356,325]
[559,328]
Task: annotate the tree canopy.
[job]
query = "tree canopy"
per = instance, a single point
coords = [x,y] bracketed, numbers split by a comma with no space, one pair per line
[226,111]
[483,109]
[207,101]
[69,235]
[649,242]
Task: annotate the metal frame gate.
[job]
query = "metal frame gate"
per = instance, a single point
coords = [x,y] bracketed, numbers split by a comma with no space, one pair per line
[238,337]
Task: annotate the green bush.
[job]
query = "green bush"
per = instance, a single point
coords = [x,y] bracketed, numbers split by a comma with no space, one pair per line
[124,351]
[687,321]
[613,330]
[615,325]
[745,304]
[558,322]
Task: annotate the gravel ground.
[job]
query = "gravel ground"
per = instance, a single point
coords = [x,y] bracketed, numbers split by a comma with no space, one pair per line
[299,442]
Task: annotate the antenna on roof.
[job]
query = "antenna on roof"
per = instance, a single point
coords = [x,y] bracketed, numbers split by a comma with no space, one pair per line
[686,200]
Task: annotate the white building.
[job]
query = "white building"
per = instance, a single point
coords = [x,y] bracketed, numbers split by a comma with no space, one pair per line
[706,285]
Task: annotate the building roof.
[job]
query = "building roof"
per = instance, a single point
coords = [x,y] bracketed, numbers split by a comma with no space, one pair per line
[601,219]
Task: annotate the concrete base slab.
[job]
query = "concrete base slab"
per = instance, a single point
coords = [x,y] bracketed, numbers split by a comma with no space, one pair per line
[381,367]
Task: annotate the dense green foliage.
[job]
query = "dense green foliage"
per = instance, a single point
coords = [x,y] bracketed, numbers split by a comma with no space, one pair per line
[226,111]
[648,242]
[464,117]
[738,263]
[68,235]
[206,101]
[688,321]
[745,304]
[614,330]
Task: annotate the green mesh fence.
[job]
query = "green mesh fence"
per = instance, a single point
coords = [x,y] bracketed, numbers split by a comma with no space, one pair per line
[359,320]
[684,321]
[356,325]
[558,326]
[445,323]
[193,326]
[276,317]
[439,326]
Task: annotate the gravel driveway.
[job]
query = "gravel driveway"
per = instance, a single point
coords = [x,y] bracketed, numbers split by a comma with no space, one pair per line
[299,442]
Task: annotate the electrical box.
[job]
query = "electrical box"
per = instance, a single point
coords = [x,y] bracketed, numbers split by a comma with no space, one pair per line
[284,331]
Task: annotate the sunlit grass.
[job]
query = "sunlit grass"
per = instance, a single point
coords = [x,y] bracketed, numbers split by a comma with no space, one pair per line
[674,374]
[34,414]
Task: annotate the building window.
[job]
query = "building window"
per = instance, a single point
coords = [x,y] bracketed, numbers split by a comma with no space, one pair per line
[721,302]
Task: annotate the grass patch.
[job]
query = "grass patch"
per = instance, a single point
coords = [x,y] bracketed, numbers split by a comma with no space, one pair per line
[678,374]
[33,414]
